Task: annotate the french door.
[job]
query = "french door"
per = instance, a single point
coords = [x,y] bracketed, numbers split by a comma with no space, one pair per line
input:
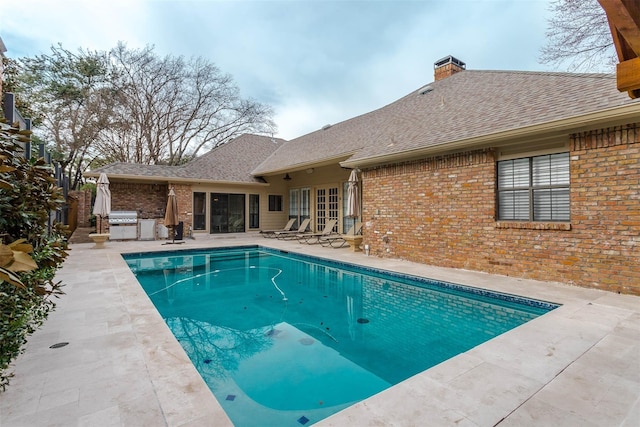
[327,206]
[299,204]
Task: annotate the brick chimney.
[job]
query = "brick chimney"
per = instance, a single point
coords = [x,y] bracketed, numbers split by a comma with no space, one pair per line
[447,67]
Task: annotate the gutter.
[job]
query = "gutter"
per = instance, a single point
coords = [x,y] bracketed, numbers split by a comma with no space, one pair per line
[155,179]
[611,117]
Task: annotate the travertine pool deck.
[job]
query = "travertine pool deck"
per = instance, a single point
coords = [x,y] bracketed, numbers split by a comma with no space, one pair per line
[578,365]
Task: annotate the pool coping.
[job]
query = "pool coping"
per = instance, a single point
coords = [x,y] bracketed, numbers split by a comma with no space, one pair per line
[440,285]
[521,377]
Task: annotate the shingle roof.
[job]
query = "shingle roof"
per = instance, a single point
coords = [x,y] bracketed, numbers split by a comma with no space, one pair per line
[233,161]
[230,162]
[469,104]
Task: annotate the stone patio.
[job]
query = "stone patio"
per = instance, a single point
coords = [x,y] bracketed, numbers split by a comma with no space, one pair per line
[578,365]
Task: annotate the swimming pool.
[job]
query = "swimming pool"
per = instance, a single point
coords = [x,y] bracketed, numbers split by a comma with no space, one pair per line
[287,339]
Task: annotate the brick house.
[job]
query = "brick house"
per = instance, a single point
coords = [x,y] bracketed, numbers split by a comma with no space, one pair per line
[527,174]
[216,192]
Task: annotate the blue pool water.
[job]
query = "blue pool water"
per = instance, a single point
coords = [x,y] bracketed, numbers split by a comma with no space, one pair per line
[287,340]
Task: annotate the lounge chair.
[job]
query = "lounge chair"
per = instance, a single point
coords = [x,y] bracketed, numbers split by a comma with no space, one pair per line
[291,234]
[272,233]
[313,238]
[338,241]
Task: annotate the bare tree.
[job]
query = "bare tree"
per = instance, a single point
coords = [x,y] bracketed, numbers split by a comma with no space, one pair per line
[94,108]
[578,34]
[169,109]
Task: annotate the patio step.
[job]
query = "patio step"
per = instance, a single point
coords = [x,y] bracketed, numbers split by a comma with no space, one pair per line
[81,235]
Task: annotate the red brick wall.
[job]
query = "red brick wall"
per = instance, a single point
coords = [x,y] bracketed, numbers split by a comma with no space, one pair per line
[441,211]
[605,210]
[149,200]
[184,194]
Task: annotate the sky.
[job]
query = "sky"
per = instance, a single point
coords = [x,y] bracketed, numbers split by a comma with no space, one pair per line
[315,62]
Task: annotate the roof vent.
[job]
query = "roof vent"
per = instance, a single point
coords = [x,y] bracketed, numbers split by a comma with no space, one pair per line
[325,127]
[425,89]
[447,66]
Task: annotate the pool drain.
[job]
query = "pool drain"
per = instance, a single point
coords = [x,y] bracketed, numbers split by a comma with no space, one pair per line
[58,345]
[362,320]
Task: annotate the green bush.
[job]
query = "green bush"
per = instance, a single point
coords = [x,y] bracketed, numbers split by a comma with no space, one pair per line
[31,248]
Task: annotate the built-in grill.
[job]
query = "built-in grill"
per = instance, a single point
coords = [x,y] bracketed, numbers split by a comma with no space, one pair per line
[123,225]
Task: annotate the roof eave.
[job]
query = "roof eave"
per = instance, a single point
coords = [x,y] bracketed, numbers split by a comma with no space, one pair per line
[611,117]
[306,165]
[139,178]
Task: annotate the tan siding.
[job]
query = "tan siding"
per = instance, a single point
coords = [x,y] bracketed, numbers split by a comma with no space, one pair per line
[274,220]
[326,176]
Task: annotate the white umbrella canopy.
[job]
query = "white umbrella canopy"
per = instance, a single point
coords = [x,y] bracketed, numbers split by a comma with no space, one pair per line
[102,204]
[353,196]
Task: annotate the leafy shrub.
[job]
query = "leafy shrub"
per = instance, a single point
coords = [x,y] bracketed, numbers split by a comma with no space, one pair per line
[31,247]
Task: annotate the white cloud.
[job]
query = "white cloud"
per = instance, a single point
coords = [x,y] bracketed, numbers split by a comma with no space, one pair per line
[34,26]
[316,61]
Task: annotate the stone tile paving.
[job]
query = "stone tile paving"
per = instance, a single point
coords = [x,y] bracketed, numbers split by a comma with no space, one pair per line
[578,365]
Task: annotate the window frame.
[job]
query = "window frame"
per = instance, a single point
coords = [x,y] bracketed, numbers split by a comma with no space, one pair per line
[200,218]
[275,202]
[558,200]
[254,211]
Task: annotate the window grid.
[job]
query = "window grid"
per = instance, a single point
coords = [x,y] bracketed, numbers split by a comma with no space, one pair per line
[321,208]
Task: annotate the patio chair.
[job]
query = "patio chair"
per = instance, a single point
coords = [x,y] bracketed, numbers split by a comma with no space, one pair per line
[313,238]
[338,241]
[272,233]
[286,235]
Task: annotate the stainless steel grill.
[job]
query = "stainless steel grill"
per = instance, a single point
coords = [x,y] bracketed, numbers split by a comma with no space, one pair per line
[123,217]
[123,225]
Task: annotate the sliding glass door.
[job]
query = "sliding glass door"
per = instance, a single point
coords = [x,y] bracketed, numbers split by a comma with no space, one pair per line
[227,213]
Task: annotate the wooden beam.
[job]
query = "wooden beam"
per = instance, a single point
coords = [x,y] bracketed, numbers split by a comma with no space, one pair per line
[624,15]
[628,77]
[628,73]
[624,23]
[622,50]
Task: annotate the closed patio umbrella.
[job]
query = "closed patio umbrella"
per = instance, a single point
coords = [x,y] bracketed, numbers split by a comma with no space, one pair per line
[171,213]
[353,196]
[102,204]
